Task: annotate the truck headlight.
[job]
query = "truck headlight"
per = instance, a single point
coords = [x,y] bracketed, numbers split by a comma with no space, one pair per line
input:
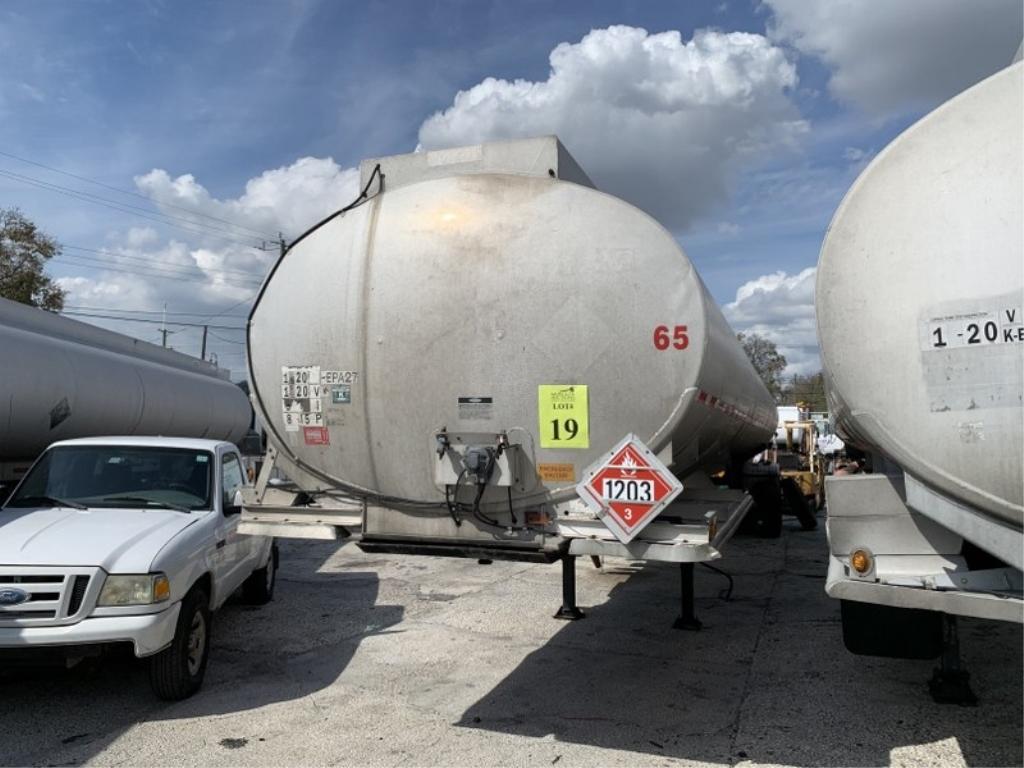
[141,589]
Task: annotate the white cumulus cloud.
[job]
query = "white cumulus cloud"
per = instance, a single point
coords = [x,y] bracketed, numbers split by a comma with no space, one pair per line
[288,199]
[211,267]
[780,307]
[891,56]
[660,121]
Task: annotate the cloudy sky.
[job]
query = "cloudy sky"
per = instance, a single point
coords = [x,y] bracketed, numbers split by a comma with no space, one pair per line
[166,144]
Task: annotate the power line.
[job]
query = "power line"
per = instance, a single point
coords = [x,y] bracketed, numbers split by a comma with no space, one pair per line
[106,257]
[160,218]
[228,309]
[136,194]
[180,323]
[151,262]
[197,228]
[86,261]
[121,206]
[229,341]
[142,311]
[155,271]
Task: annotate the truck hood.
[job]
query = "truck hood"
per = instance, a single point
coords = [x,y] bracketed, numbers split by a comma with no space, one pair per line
[117,540]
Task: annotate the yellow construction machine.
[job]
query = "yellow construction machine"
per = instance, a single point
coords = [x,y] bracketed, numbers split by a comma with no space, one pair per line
[801,466]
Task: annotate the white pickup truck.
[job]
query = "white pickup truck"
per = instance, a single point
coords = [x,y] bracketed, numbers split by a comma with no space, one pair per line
[128,540]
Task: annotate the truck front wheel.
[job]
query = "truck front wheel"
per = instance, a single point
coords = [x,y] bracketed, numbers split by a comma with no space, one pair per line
[258,589]
[177,671]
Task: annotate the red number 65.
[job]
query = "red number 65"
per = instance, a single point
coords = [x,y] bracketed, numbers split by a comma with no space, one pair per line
[678,339]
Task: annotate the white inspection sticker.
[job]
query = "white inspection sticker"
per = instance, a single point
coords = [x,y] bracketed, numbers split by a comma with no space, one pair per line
[975,329]
[301,397]
[971,354]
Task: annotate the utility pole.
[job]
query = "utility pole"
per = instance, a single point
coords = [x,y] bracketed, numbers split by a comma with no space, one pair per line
[203,355]
[281,243]
[163,329]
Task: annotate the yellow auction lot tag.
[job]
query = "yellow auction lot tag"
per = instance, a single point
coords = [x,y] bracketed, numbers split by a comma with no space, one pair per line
[564,420]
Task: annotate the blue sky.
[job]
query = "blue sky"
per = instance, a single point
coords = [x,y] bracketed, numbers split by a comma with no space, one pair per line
[224,93]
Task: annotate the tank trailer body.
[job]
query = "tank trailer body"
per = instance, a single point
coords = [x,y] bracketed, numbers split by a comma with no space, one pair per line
[440,365]
[63,379]
[919,303]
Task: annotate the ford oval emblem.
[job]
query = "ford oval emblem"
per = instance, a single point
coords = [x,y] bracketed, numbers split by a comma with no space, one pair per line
[13,596]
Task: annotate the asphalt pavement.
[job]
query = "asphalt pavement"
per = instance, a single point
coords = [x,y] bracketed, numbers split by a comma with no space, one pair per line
[400,660]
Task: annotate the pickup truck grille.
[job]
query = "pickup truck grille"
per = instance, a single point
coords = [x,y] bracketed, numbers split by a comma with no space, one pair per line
[55,595]
[78,587]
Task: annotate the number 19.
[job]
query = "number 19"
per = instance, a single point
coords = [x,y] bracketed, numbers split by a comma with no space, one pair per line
[571,428]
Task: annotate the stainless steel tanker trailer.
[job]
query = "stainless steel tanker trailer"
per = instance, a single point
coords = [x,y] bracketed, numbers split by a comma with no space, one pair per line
[919,302]
[61,379]
[445,365]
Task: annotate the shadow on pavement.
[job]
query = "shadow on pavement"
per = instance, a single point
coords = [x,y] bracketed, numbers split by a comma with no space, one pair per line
[298,644]
[767,680]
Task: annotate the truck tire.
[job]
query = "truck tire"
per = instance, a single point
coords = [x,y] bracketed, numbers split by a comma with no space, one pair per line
[177,671]
[765,519]
[258,589]
[798,505]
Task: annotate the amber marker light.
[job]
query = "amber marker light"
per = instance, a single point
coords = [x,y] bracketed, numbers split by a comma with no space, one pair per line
[860,561]
[161,589]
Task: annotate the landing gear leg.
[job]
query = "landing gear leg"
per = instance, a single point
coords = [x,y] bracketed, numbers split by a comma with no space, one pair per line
[569,610]
[687,619]
[950,683]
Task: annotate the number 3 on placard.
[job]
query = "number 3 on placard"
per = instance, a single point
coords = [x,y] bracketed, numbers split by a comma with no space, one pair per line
[678,340]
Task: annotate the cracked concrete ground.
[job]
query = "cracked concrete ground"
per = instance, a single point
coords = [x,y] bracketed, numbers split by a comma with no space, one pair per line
[388,660]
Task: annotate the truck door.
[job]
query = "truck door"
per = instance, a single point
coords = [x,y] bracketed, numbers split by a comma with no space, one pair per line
[232,553]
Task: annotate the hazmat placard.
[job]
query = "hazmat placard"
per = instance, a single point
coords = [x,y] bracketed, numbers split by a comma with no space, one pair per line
[628,487]
[563,414]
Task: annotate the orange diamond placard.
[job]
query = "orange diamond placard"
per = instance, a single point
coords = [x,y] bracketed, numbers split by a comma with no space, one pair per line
[628,487]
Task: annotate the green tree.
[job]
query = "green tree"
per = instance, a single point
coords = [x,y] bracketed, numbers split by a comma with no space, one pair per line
[768,361]
[808,389]
[24,251]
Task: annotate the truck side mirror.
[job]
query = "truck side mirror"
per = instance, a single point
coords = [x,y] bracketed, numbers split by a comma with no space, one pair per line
[236,504]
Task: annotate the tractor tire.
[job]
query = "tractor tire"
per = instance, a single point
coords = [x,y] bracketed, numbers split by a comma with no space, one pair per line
[798,505]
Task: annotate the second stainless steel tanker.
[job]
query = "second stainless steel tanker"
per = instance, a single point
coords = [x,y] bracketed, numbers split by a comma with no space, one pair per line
[61,379]
[920,296]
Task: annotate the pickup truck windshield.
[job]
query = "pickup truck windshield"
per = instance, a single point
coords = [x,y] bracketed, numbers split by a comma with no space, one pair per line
[118,476]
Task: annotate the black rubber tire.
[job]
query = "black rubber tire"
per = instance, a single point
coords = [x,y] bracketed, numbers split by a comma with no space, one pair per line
[258,589]
[798,505]
[770,523]
[765,519]
[170,674]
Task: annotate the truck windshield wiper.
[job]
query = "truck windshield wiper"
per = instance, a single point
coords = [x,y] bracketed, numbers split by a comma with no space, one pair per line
[154,502]
[53,501]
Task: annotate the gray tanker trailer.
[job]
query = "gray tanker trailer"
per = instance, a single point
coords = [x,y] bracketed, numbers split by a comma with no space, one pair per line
[61,379]
[919,303]
[440,365]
